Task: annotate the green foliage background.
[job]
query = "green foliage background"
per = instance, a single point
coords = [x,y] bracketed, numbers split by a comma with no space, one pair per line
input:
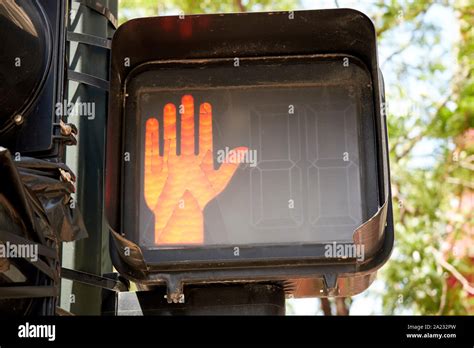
[433,203]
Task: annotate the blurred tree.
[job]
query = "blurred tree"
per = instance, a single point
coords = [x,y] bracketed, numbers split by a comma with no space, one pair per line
[432,267]
[141,8]
[425,274]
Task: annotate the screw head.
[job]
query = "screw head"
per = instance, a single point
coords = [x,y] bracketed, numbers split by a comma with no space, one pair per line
[18,119]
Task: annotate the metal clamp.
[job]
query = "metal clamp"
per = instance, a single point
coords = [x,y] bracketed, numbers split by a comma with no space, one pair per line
[96,6]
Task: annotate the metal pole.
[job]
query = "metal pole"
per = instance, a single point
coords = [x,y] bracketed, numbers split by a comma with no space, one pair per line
[89,64]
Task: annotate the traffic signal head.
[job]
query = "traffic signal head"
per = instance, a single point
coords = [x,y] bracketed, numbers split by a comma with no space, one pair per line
[32,66]
[249,147]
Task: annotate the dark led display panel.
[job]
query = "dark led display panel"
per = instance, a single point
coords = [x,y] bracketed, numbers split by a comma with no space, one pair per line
[249,152]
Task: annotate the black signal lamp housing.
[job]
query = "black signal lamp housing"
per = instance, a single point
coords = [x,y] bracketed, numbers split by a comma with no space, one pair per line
[247,148]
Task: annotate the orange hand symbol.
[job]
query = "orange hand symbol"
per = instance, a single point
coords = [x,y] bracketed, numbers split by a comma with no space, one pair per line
[178,187]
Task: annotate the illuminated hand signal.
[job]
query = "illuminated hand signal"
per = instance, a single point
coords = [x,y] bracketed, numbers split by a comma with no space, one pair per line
[178,187]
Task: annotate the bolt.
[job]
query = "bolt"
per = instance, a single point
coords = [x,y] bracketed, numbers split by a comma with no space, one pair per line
[66,129]
[18,119]
[66,176]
